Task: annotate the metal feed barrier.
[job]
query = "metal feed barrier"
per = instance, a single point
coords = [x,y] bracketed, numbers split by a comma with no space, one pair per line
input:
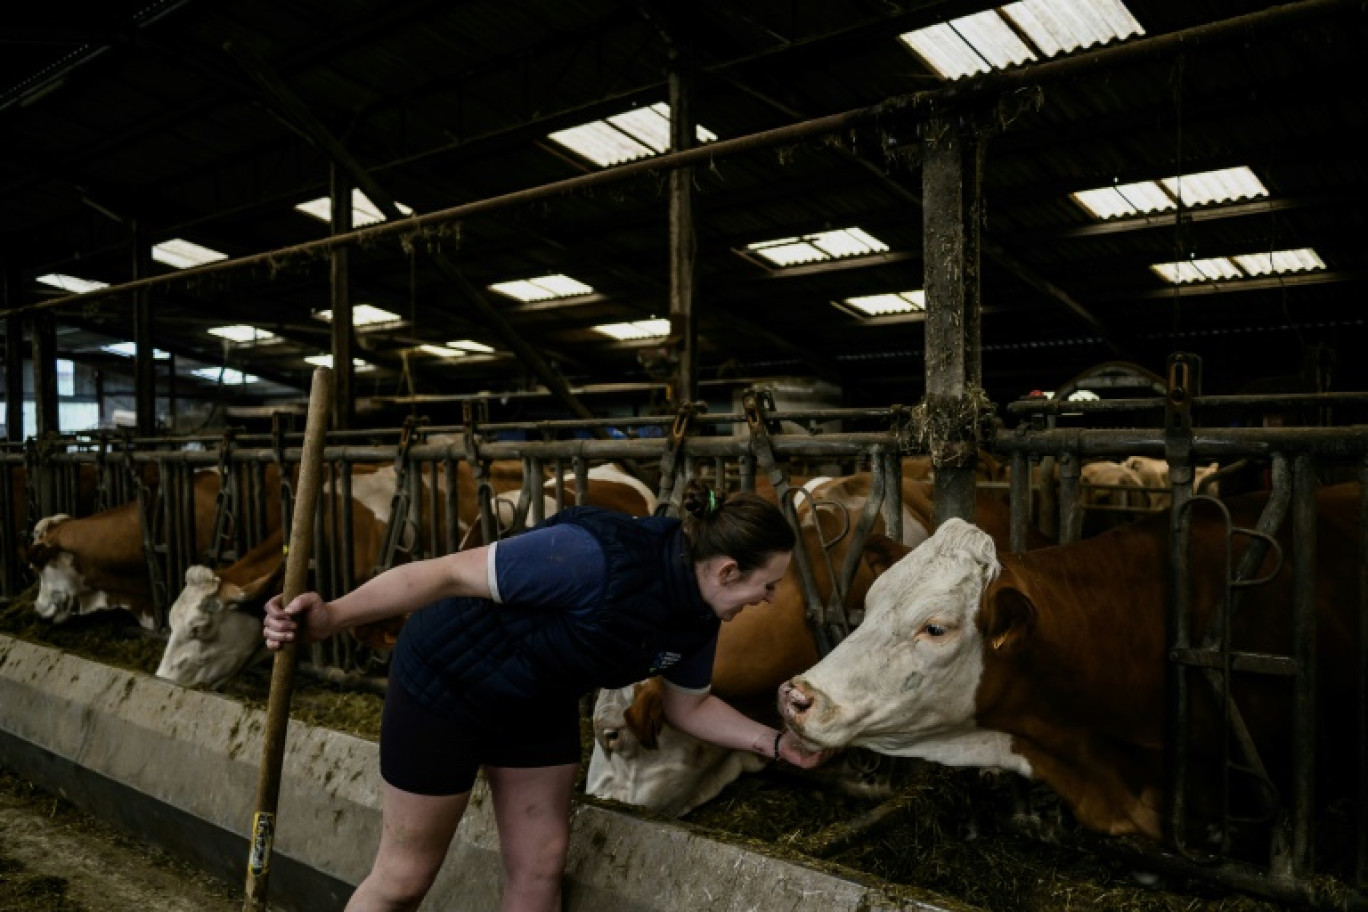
[734,451]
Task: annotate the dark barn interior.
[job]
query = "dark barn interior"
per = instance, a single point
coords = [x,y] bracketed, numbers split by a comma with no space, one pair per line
[131,125]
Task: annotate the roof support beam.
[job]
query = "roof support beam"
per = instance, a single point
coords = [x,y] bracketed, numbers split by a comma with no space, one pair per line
[144,369]
[683,246]
[302,119]
[14,357]
[952,177]
[43,338]
[343,329]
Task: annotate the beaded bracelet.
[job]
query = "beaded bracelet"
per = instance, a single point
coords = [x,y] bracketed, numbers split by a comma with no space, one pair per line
[777,737]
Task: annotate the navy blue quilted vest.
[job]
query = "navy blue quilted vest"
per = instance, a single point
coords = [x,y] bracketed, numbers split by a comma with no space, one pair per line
[473,657]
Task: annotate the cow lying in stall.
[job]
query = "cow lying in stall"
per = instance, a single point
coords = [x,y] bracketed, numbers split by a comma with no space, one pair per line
[1052,664]
[97,562]
[216,620]
[639,759]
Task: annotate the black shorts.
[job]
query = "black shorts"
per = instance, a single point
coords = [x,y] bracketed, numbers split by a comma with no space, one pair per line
[430,754]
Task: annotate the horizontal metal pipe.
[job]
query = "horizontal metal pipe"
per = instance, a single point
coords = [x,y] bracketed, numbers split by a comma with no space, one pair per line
[1057,407]
[1207,443]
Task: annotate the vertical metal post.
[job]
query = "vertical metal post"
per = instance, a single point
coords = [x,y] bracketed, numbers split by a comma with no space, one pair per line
[343,332]
[1304,650]
[1184,384]
[683,329]
[43,335]
[952,207]
[14,369]
[1361,868]
[1070,498]
[144,365]
[171,393]
[1019,493]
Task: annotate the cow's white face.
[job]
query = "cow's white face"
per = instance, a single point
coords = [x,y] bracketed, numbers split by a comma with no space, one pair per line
[210,640]
[673,778]
[63,593]
[903,682]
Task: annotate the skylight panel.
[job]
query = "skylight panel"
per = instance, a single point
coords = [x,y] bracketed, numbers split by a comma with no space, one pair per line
[1060,26]
[638,133]
[638,329]
[1200,189]
[1188,271]
[544,288]
[182,254]
[1208,187]
[881,305]
[470,345]
[129,350]
[987,40]
[70,283]
[442,351]
[326,360]
[945,51]
[367,315]
[993,39]
[1275,262]
[601,143]
[822,246]
[228,375]
[242,333]
[648,126]
[364,212]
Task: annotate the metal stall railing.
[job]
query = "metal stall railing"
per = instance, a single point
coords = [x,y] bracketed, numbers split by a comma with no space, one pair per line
[430,471]
[1206,667]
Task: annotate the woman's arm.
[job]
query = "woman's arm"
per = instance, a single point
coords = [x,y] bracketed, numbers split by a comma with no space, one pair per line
[400,590]
[710,719]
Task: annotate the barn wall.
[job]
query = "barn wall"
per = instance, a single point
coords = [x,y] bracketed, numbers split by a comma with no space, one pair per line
[179,767]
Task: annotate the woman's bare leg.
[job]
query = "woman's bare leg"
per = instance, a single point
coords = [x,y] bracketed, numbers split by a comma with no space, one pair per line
[532,809]
[416,832]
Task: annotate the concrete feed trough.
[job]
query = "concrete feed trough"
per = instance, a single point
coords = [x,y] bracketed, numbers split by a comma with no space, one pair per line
[179,768]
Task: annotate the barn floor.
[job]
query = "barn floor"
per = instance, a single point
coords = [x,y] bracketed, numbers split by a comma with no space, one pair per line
[55,859]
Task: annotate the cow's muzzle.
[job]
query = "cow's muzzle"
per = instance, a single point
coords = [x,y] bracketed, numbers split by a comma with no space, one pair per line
[54,606]
[796,699]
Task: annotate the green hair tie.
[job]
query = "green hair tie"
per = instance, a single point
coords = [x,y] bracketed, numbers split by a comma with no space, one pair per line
[712,503]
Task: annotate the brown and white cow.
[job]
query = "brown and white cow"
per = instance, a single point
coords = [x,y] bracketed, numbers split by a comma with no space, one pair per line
[609,487]
[216,620]
[96,562]
[1052,663]
[640,759]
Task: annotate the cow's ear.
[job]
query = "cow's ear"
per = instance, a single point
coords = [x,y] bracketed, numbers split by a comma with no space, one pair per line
[646,716]
[1008,617]
[882,552]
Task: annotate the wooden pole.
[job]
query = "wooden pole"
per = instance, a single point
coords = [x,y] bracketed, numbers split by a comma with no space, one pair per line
[282,672]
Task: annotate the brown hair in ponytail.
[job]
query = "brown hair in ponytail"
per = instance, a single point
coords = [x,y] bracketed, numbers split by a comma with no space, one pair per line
[745,527]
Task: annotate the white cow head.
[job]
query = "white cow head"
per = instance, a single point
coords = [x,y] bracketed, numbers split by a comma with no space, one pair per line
[62,589]
[211,640]
[670,773]
[903,682]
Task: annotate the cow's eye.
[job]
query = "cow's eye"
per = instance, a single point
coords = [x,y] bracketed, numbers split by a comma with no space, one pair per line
[935,630]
